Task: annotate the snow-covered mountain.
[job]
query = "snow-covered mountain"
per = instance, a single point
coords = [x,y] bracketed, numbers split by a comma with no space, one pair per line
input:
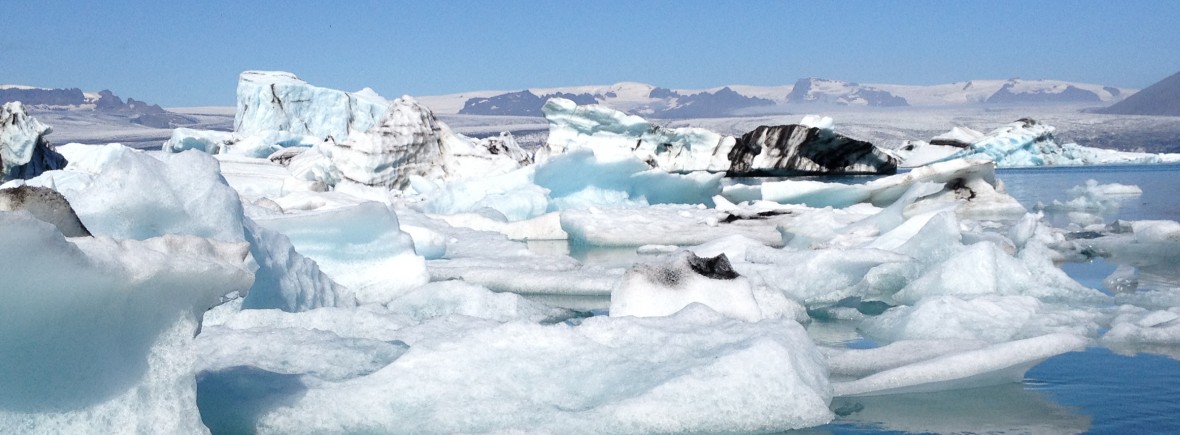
[73,99]
[656,102]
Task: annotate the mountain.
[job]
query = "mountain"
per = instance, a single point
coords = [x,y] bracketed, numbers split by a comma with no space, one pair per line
[720,103]
[1161,98]
[816,90]
[523,103]
[664,103]
[137,112]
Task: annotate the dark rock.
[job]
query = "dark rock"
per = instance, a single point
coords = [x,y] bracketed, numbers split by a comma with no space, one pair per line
[44,204]
[796,149]
[712,267]
[735,216]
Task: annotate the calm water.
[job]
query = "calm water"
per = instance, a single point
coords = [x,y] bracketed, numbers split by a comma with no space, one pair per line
[1095,391]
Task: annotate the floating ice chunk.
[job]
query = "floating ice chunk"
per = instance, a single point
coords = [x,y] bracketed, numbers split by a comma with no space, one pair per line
[444,298]
[734,247]
[24,152]
[1135,325]
[95,333]
[959,137]
[136,195]
[512,194]
[614,135]
[359,246]
[810,193]
[993,365]
[1027,142]
[543,227]
[287,280]
[1094,197]
[372,322]
[825,275]
[578,172]
[817,121]
[408,141]
[928,237]
[427,243]
[290,351]
[858,363]
[989,318]
[1024,229]
[793,149]
[280,101]
[1004,408]
[1124,279]
[212,142]
[696,371]
[971,182]
[255,178]
[980,269]
[663,289]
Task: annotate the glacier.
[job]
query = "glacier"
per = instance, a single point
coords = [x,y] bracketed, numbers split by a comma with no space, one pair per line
[400,277]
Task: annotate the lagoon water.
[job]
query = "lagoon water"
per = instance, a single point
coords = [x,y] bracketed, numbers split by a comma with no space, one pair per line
[1096,391]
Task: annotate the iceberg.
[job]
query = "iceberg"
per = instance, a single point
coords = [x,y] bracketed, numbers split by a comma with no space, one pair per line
[697,371]
[280,101]
[803,149]
[121,314]
[970,184]
[1025,142]
[359,246]
[1094,197]
[993,365]
[663,289]
[789,149]
[409,141]
[24,152]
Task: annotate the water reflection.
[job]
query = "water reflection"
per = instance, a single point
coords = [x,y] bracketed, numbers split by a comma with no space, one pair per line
[1008,408]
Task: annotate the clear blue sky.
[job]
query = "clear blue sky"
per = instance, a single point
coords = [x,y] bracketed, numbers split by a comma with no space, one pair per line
[190,53]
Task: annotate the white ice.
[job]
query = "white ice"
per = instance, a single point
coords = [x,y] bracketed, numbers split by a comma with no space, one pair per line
[96,333]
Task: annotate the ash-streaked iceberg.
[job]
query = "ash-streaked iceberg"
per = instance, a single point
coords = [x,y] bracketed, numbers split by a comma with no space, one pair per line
[663,289]
[789,149]
[1023,143]
[24,151]
[280,101]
